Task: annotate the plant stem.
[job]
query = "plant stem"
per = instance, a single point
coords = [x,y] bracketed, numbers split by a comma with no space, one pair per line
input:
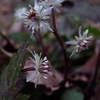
[61,45]
[40,41]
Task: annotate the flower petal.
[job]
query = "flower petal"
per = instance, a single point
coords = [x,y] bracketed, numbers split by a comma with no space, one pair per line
[73,52]
[86,32]
[29,78]
[46,11]
[45,26]
[37,6]
[71,42]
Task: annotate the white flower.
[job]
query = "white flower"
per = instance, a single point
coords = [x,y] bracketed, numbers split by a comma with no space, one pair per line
[54,3]
[81,43]
[19,13]
[36,18]
[42,69]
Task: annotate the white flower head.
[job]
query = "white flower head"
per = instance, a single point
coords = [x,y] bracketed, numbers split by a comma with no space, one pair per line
[19,13]
[42,69]
[54,3]
[81,43]
[36,18]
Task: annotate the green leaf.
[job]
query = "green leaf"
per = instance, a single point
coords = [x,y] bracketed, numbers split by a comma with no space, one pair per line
[11,73]
[94,31]
[72,94]
[20,37]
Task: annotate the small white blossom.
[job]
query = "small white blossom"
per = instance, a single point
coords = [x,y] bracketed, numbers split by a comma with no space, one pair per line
[80,43]
[36,18]
[42,69]
[19,13]
[54,3]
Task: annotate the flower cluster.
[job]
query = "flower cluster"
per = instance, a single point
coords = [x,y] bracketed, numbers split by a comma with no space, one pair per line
[42,69]
[80,43]
[36,18]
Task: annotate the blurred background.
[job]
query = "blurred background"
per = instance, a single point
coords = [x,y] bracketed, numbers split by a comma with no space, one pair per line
[74,13]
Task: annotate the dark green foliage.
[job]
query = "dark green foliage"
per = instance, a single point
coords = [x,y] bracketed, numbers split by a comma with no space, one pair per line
[72,94]
[11,73]
[94,31]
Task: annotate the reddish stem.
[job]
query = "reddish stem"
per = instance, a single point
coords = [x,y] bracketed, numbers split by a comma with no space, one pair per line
[61,45]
